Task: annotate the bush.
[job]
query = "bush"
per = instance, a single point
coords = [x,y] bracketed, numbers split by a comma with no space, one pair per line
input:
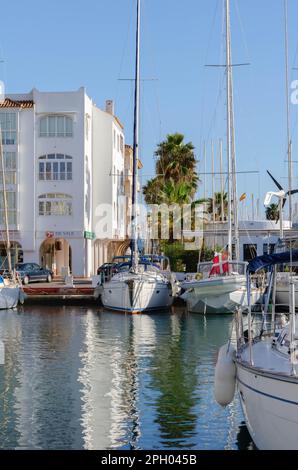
[186,260]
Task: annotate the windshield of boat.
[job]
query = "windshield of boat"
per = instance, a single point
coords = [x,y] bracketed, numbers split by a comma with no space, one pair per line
[220,268]
[142,267]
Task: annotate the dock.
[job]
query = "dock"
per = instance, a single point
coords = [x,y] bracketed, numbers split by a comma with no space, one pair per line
[57,291]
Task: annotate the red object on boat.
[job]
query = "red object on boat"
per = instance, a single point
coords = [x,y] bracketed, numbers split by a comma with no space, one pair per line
[219,266]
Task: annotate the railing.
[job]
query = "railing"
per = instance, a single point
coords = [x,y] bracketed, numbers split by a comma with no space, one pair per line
[223,268]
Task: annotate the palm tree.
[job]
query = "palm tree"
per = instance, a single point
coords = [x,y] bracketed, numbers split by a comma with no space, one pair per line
[176,163]
[176,160]
[272,212]
[152,189]
[175,193]
[218,197]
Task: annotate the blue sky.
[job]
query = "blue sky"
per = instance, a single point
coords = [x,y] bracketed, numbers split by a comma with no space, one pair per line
[62,45]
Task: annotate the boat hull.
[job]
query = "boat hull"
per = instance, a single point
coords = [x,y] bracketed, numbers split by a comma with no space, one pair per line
[136,295]
[270,408]
[218,295]
[9,297]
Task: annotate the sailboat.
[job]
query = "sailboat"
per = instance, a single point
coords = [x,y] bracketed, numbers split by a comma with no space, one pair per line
[220,286]
[10,289]
[263,365]
[143,287]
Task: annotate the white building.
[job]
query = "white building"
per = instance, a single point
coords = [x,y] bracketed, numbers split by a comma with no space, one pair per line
[63,158]
[256,237]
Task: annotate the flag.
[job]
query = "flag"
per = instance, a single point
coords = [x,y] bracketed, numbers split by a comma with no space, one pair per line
[242,197]
[220,264]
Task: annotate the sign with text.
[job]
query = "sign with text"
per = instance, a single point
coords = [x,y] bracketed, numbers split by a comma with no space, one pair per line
[89,235]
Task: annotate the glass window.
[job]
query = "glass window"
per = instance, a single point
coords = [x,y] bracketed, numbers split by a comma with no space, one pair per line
[43,129]
[55,204]
[53,167]
[69,170]
[55,171]
[60,126]
[48,208]
[48,171]
[268,249]
[62,171]
[10,164]
[56,126]
[41,208]
[68,127]
[52,126]
[249,252]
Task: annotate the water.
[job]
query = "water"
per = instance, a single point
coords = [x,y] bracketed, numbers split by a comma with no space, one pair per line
[81,378]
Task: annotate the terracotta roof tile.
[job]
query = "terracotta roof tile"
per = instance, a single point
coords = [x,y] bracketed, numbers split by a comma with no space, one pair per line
[8,103]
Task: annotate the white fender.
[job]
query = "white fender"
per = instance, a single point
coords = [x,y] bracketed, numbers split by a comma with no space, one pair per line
[225,375]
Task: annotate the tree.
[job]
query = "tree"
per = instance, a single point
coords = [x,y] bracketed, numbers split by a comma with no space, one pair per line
[217,206]
[176,178]
[272,212]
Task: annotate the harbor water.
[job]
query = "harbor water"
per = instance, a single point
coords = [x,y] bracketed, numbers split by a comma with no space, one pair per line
[84,378]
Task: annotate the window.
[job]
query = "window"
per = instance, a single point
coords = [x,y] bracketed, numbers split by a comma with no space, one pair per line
[10,165]
[8,123]
[11,207]
[55,167]
[55,204]
[56,126]
[268,249]
[249,252]
[121,144]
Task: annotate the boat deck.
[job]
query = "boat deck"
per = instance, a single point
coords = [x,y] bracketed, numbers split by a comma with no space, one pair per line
[264,356]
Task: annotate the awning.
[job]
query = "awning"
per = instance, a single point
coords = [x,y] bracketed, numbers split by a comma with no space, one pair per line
[265,261]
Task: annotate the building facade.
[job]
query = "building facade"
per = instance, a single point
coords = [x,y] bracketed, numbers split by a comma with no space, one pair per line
[64,159]
[255,237]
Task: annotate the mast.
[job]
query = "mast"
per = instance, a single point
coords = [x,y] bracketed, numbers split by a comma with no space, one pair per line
[289,138]
[228,86]
[205,169]
[222,210]
[136,125]
[231,142]
[213,192]
[8,245]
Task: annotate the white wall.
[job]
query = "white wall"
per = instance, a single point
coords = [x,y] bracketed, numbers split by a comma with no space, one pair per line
[94,160]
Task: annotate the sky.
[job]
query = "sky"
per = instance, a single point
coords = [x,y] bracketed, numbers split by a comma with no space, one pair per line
[63,45]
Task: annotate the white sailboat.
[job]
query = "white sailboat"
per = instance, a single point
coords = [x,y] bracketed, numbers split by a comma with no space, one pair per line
[143,287]
[264,367]
[224,289]
[10,289]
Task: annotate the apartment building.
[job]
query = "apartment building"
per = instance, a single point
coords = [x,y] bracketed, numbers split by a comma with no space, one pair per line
[64,159]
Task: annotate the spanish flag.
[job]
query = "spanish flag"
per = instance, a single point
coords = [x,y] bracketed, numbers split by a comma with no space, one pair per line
[242,197]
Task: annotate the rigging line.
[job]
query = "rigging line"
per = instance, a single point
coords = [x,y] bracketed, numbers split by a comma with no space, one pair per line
[203,100]
[154,67]
[125,44]
[214,115]
[242,29]
[221,80]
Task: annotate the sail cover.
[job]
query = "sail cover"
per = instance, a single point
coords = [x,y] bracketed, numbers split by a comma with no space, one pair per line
[265,261]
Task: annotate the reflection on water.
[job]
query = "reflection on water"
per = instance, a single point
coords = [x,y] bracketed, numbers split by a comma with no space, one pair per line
[84,378]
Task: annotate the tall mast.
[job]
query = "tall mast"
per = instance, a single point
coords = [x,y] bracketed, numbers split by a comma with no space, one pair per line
[205,170]
[228,87]
[231,141]
[289,138]
[136,125]
[222,210]
[8,245]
